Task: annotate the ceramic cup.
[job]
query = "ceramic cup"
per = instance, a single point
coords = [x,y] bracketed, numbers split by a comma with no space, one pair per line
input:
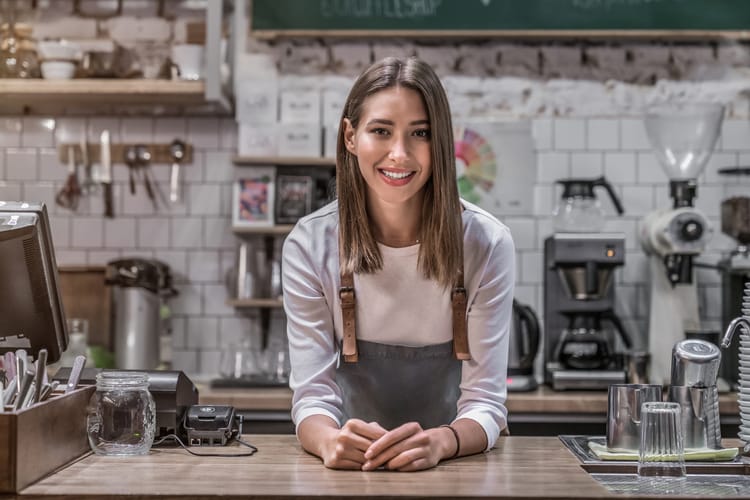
[189,60]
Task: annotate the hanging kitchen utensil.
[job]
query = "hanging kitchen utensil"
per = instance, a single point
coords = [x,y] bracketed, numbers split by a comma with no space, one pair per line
[106,162]
[143,156]
[88,185]
[177,148]
[68,196]
[131,160]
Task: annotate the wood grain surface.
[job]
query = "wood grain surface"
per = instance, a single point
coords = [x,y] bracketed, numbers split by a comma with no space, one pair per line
[520,467]
[543,401]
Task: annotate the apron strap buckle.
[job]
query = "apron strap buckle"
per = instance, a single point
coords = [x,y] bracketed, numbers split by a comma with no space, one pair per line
[348,313]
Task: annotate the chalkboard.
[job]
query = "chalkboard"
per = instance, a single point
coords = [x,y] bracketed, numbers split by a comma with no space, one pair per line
[309,17]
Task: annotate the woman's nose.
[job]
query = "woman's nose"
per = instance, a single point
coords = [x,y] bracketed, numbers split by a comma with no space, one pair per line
[399,150]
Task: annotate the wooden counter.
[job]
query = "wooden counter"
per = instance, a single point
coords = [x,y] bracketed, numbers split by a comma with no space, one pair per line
[521,467]
[542,401]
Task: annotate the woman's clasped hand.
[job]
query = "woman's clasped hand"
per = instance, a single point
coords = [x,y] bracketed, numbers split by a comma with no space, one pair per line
[368,446]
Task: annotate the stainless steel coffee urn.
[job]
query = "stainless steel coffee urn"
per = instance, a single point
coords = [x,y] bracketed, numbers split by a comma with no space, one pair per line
[139,288]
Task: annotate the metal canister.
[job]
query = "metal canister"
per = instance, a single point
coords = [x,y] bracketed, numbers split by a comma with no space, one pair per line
[695,363]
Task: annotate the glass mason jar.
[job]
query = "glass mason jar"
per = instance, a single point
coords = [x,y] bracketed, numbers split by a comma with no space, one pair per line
[18,58]
[121,416]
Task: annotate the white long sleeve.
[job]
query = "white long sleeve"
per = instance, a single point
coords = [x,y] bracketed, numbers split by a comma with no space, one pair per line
[398,306]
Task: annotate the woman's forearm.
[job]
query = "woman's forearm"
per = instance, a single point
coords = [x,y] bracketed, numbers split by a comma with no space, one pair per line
[314,432]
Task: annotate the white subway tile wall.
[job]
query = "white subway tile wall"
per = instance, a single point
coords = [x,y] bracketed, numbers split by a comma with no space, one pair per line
[194,237]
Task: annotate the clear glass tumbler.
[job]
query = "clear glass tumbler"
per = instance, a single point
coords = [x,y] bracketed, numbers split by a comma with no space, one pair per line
[121,416]
[662,451]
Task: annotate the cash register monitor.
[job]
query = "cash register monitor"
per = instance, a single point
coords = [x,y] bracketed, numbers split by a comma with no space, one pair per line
[31,312]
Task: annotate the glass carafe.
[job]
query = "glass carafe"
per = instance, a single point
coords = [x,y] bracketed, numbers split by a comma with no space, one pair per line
[579,210]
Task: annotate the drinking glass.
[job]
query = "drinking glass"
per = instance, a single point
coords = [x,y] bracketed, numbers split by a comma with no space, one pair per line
[240,362]
[662,451]
[277,363]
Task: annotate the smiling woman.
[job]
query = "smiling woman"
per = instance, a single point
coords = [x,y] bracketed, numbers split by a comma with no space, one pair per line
[398,295]
[392,146]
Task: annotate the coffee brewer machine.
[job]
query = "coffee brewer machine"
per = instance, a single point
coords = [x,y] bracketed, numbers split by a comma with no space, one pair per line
[735,276]
[682,137]
[579,302]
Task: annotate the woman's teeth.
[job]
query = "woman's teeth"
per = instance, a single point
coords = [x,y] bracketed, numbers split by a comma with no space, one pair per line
[396,175]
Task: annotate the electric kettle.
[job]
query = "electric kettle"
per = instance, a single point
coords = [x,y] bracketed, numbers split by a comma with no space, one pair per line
[522,348]
[579,210]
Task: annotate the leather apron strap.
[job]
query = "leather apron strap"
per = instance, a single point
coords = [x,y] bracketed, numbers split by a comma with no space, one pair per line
[349,307]
[349,317]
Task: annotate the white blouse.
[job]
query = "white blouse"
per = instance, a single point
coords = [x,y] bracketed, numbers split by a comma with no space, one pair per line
[397,305]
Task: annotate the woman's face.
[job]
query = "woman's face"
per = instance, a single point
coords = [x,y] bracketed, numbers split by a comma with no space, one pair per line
[392,145]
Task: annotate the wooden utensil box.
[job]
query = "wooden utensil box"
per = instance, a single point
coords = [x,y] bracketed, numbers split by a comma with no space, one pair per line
[36,441]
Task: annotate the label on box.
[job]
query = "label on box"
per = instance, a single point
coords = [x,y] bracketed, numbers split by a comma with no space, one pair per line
[257,140]
[300,106]
[257,103]
[299,139]
[333,105]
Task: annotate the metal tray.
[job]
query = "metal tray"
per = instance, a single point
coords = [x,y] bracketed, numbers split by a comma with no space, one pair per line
[578,446]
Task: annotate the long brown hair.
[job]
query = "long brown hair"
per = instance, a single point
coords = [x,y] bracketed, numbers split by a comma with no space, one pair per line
[441,250]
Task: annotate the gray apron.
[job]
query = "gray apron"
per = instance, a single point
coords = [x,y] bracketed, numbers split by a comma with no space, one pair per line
[392,384]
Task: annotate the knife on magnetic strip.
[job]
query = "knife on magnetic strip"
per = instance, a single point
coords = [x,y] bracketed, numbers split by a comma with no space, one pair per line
[105,156]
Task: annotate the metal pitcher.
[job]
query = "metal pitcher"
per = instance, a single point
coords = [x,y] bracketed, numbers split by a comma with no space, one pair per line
[624,413]
[700,415]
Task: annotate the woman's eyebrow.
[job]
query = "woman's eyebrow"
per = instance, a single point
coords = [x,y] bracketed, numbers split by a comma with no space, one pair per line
[383,121]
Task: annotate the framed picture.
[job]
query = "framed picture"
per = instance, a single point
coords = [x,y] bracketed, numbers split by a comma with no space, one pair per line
[294,197]
[253,198]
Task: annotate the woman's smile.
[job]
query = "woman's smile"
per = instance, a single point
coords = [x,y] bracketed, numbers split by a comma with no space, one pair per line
[396,177]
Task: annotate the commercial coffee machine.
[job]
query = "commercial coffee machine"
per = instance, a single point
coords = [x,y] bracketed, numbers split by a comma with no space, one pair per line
[580,328]
[735,276]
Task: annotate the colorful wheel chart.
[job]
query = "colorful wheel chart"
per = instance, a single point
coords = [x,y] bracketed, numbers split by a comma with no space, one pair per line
[476,165]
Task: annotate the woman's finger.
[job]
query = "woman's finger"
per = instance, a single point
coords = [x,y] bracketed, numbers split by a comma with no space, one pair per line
[405,458]
[390,438]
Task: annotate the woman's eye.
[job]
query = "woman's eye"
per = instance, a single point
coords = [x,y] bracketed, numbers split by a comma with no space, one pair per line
[379,131]
[423,133]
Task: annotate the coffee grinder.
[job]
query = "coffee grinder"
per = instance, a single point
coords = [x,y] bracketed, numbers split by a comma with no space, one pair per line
[735,276]
[579,302]
[682,137]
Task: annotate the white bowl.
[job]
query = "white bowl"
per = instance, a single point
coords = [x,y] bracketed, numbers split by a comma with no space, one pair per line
[58,70]
[58,50]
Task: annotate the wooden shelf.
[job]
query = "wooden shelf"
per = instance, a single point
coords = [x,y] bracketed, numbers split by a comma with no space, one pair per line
[36,95]
[259,303]
[277,229]
[305,161]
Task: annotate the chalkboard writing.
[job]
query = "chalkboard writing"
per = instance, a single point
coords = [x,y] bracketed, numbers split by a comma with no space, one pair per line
[499,15]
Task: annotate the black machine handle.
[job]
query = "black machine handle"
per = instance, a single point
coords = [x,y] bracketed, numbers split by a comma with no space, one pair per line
[527,318]
[620,327]
[602,181]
